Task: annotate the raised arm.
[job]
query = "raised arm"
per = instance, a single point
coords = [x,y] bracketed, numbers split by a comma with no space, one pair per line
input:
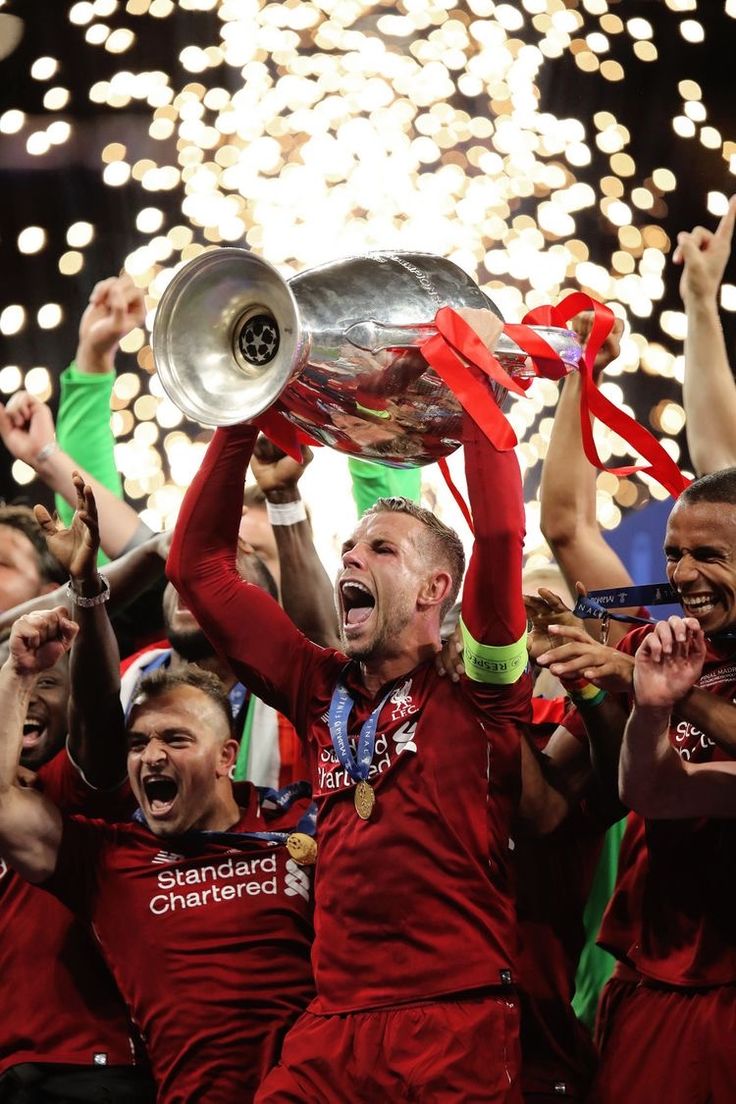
[594,676]
[493,617]
[27,431]
[709,391]
[242,622]
[129,576]
[306,591]
[568,515]
[115,307]
[654,780]
[30,825]
[96,725]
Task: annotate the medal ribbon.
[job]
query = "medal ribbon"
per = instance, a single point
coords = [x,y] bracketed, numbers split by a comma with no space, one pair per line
[602,603]
[341,707]
[598,604]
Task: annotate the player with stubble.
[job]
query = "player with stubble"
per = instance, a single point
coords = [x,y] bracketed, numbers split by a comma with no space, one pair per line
[416,779]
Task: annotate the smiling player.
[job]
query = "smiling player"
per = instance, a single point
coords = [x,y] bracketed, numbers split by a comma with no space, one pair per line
[681,936]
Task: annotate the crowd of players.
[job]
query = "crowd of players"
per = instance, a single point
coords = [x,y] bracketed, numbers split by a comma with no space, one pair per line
[315,845]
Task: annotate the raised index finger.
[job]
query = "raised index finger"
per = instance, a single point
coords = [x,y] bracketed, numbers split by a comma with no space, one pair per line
[724,230]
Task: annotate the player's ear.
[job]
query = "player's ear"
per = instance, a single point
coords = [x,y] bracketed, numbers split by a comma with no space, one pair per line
[227,759]
[435,589]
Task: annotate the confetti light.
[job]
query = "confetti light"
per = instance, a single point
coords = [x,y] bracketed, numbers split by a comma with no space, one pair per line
[308,130]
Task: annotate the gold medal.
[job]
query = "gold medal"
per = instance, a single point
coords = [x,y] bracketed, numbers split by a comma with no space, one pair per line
[365,800]
[302,848]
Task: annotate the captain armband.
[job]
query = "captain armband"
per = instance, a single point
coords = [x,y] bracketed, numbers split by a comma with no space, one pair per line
[501,665]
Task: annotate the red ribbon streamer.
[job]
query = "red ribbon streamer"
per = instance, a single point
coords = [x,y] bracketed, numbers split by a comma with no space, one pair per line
[456,336]
[455,339]
[464,508]
[661,467]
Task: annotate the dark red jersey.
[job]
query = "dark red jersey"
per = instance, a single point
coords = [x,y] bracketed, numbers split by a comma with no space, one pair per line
[673,912]
[688,929]
[59,1003]
[416,902]
[208,938]
[622,919]
[554,876]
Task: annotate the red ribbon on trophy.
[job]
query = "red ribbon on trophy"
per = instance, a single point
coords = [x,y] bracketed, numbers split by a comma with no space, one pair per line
[463,374]
[461,359]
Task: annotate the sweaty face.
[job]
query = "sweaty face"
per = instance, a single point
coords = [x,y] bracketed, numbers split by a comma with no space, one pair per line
[383,570]
[179,753]
[45,727]
[19,576]
[700,546]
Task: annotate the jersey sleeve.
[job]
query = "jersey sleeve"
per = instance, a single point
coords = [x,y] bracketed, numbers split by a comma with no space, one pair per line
[83,430]
[244,623]
[493,618]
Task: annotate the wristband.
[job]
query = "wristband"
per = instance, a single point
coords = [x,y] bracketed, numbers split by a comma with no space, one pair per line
[98,599]
[47,450]
[286,513]
[587,694]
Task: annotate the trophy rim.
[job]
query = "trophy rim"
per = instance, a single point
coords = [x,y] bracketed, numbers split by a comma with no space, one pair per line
[179,375]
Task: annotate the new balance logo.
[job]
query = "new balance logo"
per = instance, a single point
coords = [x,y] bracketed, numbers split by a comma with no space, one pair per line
[166,857]
[296,880]
[404,737]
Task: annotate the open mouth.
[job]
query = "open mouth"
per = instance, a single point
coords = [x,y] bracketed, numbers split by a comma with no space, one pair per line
[34,731]
[161,793]
[357,603]
[698,605]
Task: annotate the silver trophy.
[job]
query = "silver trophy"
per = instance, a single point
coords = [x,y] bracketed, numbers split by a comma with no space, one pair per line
[335,349]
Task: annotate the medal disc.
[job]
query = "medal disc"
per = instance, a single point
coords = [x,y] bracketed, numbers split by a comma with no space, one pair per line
[365,800]
[302,848]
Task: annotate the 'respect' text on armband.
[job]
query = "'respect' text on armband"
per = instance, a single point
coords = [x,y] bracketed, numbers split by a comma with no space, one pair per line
[496,664]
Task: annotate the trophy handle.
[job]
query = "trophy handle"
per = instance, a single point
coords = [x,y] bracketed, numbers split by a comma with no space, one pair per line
[373,337]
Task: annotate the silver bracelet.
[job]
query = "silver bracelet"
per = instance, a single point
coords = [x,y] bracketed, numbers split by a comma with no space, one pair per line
[286,513]
[86,603]
[44,453]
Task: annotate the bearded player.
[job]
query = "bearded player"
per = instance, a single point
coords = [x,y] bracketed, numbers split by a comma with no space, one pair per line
[416,778]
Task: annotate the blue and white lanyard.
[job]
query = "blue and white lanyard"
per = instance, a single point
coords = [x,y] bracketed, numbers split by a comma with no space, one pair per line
[357,766]
[601,603]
